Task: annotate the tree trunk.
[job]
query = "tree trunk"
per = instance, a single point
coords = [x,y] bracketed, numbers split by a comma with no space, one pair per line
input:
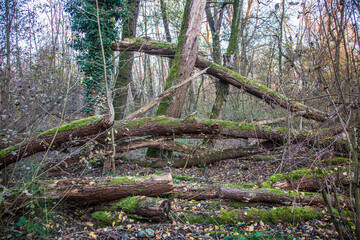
[231,60]
[126,60]
[183,64]
[186,54]
[104,190]
[165,20]
[224,74]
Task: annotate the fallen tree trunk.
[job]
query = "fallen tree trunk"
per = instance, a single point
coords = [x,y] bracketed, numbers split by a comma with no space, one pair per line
[156,209]
[224,74]
[241,195]
[168,127]
[196,156]
[104,190]
[312,184]
[55,138]
[201,160]
[290,214]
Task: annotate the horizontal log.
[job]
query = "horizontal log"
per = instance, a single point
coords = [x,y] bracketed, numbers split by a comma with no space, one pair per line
[224,74]
[73,131]
[312,184]
[104,190]
[195,192]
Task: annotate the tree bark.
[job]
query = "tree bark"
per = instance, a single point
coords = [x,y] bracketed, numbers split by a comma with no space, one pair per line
[231,59]
[195,192]
[311,184]
[186,54]
[196,159]
[156,209]
[77,130]
[183,64]
[224,74]
[104,190]
[126,60]
[166,127]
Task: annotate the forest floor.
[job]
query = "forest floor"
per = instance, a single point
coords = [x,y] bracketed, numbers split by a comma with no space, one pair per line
[64,222]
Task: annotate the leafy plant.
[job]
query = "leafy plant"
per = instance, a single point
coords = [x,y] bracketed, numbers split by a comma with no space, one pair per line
[29,226]
[86,40]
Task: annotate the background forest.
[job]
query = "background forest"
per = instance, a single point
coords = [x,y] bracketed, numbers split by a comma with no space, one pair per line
[273,109]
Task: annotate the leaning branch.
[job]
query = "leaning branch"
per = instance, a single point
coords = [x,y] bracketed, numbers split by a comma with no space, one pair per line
[222,73]
[165,94]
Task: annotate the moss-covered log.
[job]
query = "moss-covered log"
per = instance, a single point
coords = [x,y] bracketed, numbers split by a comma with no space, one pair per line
[200,160]
[168,127]
[71,132]
[309,179]
[266,195]
[224,74]
[273,215]
[246,195]
[104,190]
[156,209]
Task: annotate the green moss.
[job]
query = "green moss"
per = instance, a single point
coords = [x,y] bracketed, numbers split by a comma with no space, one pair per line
[122,180]
[183,178]
[137,123]
[234,125]
[127,204]
[103,216]
[240,185]
[274,215]
[73,125]
[7,150]
[337,160]
[162,44]
[162,120]
[293,175]
[131,205]
[282,129]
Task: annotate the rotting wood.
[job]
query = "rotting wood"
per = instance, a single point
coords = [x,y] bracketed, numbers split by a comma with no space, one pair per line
[196,192]
[156,209]
[224,74]
[103,190]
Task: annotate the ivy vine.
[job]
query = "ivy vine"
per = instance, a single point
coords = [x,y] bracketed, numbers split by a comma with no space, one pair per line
[86,41]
